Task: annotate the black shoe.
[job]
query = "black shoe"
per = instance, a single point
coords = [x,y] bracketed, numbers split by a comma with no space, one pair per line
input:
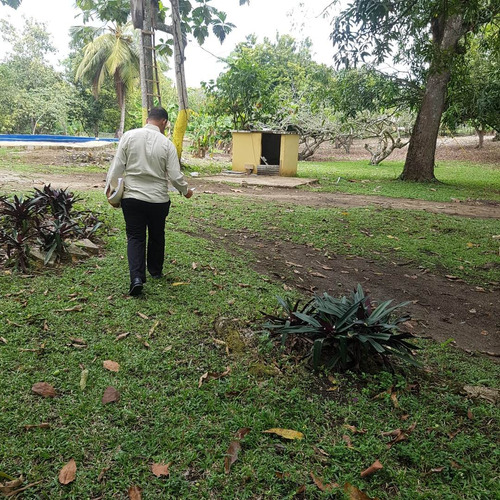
[157,276]
[135,287]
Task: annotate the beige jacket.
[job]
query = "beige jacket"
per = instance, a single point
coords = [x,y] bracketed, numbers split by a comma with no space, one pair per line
[147,161]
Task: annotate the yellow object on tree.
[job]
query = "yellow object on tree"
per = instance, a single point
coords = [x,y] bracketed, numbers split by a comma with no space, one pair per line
[179,130]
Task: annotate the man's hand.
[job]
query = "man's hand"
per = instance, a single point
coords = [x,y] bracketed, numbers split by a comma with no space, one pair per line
[189,193]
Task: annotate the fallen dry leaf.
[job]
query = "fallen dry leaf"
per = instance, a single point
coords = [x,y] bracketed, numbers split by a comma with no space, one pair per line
[437,470]
[320,451]
[3,340]
[162,469]
[354,493]
[470,415]
[373,468]
[77,340]
[242,432]
[477,391]
[321,485]
[112,366]
[231,455]
[285,433]
[44,389]
[77,308]
[11,488]
[8,487]
[135,493]
[142,315]
[347,440]
[179,283]
[122,336]
[394,399]
[301,489]
[318,275]
[142,341]
[153,328]
[282,475]
[293,264]
[68,473]
[83,379]
[111,395]
[194,265]
[354,429]
[452,435]
[43,425]
[213,376]
[101,475]
[399,435]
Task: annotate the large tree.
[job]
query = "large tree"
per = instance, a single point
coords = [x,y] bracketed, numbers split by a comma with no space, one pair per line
[426,35]
[113,54]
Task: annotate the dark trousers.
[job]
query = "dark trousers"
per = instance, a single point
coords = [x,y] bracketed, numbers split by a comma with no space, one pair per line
[140,215]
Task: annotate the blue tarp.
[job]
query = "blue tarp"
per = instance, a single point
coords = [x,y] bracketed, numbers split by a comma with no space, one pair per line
[50,138]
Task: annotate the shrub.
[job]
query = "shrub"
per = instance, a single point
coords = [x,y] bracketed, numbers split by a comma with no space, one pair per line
[344,332]
[48,220]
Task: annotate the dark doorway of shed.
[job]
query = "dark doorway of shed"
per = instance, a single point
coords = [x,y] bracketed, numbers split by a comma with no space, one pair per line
[271,146]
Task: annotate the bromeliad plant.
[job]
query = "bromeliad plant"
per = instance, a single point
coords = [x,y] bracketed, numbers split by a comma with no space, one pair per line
[59,202]
[48,220]
[344,332]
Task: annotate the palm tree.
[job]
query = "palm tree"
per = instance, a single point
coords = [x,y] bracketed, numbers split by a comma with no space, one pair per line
[109,52]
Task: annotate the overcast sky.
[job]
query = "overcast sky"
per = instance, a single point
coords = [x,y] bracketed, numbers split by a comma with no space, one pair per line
[301,19]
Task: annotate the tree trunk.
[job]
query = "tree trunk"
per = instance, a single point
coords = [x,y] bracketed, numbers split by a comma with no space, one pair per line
[146,60]
[119,133]
[182,117]
[120,95]
[419,165]
[480,135]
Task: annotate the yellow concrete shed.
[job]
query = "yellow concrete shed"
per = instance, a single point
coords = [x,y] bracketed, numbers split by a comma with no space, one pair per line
[274,152]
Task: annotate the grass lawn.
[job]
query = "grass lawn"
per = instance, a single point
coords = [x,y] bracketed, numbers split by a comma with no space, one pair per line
[457,180]
[56,324]
[452,245]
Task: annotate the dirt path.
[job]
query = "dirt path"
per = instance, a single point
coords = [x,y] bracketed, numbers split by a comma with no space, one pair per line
[478,209]
[12,182]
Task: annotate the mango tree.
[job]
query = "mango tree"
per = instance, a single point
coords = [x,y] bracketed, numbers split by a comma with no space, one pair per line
[426,36]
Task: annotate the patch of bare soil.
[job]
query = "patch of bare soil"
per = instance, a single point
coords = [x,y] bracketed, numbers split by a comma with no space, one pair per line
[441,308]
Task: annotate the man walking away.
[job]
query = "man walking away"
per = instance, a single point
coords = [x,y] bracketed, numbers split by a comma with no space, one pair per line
[147,161]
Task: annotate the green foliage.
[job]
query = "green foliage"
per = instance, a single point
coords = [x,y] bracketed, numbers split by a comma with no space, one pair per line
[265,82]
[345,332]
[34,97]
[11,3]
[474,89]
[376,30]
[208,134]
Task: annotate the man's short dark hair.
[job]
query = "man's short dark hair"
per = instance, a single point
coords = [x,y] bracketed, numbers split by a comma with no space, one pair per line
[158,114]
